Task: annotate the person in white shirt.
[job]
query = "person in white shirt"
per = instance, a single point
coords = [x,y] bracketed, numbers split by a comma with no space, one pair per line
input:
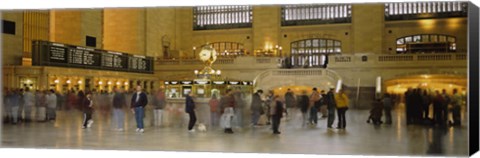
[51,105]
[29,100]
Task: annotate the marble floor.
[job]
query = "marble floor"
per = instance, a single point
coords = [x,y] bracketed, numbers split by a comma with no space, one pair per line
[359,138]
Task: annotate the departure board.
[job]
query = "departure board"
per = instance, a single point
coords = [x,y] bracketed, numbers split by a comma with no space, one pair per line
[57,54]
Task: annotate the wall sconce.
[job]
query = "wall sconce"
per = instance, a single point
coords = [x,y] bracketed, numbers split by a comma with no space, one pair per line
[56,81]
[126,83]
[100,82]
[68,81]
[109,82]
[219,72]
[118,83]
[79,82]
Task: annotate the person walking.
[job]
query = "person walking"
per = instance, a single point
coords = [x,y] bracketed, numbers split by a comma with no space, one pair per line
[190,110]
[228,111]
[331,105]
[314,105]
[426,99]
[323,104]
[303,102]
[387,105]
[409,105]
[14,105]
[446,101]
[119,103]
[138,102]
[87,108]
[290,102]
[29,99]
[160,101]
[213,103]
[51,100]
[456,115]
[277,113]
[256,107]
[342,106]
[438,112]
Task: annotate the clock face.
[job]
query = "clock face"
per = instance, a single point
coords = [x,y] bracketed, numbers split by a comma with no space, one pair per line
[204,55]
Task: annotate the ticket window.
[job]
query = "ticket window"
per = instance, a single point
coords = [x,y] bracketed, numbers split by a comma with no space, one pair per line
[186,90]
[26,82]
[173,93]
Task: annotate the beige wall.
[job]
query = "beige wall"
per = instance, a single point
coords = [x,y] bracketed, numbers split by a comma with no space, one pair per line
[12,45]
[266,30]
[124,30]
[66,26]
[91,22]
[160,26]
[367,26]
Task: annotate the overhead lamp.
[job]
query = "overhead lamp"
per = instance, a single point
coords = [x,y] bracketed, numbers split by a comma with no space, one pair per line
[118,83]
[56,81]
[68,81]
[219,72]
[109,82]
[100,82]
[126,83]
[79,82]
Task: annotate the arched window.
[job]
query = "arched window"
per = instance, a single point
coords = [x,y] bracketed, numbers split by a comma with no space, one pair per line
[221,17]
[310,14]
[426,43]
[228,49]
[312,52]
[425,10]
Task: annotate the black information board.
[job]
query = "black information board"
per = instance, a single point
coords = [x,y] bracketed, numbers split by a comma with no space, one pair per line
[57,54]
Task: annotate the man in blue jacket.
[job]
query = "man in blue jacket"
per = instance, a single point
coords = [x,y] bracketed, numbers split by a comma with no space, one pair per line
[138,103]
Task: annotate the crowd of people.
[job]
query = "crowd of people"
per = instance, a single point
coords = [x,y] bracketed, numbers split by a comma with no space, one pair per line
[271,108]
[24,105]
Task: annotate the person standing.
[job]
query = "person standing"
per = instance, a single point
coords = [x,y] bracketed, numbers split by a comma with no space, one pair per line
[256,107]
[314,102]
[268,102]
[456,99]
[51,100]
[190,110]
[87,108]
[426,105]
[303,102]
[228,110]
[277,114]
[119,103]
[387,105]
[138,103]
[213,103]
[331,105]
[290,102]
[342,106]
[29,98]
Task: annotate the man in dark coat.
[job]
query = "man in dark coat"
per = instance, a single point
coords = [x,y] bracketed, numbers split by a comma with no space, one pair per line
[256,107]
[289,101]
[303,102]
[408,105]
[277,114]
[138,103]
[331,105]
[190,110]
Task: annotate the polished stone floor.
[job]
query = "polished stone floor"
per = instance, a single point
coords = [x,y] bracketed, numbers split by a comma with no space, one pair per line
[359,138]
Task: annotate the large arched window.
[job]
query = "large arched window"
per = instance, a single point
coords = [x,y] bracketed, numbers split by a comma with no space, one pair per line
[425,10]
[426,43]
[312,52]
[228,49]
[221,17]
[311,14]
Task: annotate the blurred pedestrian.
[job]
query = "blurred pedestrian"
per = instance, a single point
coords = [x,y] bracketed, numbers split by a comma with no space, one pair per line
[87,108]
[119,104]
[303,102]
[51,100]
[214,114]
[190,110]
[290,101]
[228,111]
[256,107]
[456,101]
[331,104]
[313,106]
[388,105]
[277,113]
